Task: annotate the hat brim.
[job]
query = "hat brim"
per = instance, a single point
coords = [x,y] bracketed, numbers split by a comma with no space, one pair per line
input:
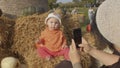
[107,19]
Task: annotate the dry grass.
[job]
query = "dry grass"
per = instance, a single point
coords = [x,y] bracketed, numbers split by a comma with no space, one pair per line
[28,29]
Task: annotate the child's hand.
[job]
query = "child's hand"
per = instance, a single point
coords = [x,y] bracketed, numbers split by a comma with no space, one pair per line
[64,46]
[39,42]
[36,41]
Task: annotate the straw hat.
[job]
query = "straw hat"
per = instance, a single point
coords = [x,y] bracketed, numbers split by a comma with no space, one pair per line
[108,20]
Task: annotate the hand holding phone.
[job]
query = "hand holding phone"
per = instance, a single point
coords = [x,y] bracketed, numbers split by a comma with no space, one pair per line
[77,36]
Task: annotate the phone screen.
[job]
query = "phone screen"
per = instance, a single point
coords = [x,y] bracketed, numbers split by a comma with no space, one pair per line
[77,36]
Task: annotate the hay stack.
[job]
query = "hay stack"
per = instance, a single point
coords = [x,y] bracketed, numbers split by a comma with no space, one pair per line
[28,29]
[69,22]
[90,38]
[34,61]
[6,31]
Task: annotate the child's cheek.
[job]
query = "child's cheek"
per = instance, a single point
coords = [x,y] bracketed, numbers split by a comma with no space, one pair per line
[57,25]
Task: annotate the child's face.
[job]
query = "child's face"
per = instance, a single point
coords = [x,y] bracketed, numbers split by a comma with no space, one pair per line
[53,24]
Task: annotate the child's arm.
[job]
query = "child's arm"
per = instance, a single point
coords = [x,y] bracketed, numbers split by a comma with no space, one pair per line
[64,43]
[39,43]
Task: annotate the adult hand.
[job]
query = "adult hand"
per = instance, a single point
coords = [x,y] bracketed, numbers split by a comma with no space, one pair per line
[108,60]
[73,53]
[86,47]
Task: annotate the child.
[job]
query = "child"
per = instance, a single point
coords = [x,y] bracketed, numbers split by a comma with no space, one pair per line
[52,42]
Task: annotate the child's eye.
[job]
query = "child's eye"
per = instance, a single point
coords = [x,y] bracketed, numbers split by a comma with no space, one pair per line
[53,22]
[56,22]
[50,22]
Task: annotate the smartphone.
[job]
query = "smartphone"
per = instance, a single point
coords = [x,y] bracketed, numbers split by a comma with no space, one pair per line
[77,36]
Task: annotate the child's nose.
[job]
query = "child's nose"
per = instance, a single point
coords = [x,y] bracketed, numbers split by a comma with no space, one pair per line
[53,23]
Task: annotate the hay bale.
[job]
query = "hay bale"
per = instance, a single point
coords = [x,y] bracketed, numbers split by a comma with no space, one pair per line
[85,60]
[6,31]
[34,61]
[90,38]
[28,29]
[69,23]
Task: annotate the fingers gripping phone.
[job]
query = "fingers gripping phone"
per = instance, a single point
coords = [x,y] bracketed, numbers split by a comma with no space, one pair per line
[77,36]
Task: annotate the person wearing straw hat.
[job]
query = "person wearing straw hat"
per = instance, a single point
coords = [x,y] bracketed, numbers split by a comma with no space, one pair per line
[107,22]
